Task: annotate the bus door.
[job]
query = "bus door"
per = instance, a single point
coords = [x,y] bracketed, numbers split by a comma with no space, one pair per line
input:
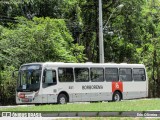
[48,85]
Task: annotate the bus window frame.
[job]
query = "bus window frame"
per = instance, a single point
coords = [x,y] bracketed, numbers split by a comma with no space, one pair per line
[126,74]
[66,81]
[96,68]
[144,75]
[82,68]
[117,74]
[43,78]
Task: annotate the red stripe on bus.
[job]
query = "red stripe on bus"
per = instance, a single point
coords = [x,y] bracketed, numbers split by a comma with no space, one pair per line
[117,86]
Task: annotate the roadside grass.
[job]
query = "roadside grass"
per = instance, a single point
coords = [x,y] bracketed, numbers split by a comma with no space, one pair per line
[129,105]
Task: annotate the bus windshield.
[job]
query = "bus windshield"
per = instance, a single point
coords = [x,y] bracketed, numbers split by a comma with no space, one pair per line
[29,78]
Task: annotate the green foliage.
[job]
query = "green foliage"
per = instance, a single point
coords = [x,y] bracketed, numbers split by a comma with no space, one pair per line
[7,86]
[40,8]
[149,52]
[42,39]
[39,40]
[36,37]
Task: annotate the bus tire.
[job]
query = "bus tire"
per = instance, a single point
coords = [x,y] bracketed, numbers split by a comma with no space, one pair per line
[62,99]
[116,96]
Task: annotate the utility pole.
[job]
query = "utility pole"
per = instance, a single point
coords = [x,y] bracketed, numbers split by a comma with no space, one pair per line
[101,42]
[101,46]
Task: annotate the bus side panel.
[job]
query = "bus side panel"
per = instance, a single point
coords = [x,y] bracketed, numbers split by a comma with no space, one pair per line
[134,89]
[49,94]
[38,99]
[75,97]
[85,91]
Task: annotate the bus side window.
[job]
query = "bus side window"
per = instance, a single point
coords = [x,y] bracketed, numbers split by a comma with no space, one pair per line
[125,74]
[54,76]
[111,74]
[81,74]
[65,74]
[139,74]
[49,78]
[97,74]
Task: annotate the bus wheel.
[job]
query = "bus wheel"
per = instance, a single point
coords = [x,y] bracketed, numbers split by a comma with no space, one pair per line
[62,99]
[116,96]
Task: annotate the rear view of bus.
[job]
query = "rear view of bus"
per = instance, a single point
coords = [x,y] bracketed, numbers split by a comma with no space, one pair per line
[28,83]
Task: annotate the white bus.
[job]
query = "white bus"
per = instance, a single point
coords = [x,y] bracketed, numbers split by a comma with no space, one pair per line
[53,82]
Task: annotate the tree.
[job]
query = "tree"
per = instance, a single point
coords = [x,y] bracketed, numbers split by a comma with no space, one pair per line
[149,51]
[39,40]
